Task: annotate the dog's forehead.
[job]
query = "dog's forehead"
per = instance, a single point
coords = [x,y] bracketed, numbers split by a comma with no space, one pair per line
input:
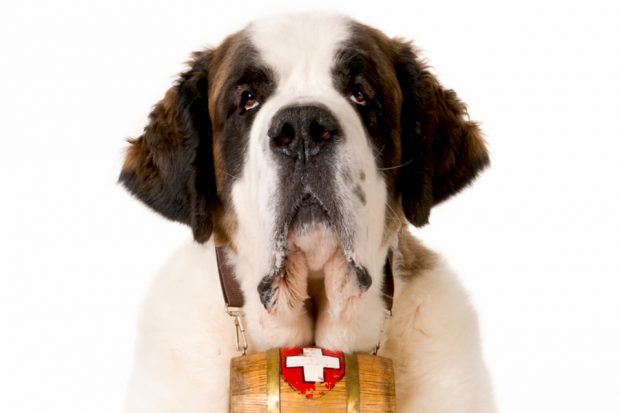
[300,48]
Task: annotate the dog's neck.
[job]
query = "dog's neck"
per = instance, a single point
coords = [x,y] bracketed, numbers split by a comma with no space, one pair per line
[312,291]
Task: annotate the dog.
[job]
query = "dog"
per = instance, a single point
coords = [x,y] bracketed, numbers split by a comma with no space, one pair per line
[304,146]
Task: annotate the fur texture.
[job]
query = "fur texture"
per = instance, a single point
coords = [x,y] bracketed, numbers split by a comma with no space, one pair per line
[305,145]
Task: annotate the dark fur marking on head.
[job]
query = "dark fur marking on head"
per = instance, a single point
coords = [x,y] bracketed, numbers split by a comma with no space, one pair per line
[184,164]
[365,61]
[425,146]
[160,167]
[241,69]
[443,151]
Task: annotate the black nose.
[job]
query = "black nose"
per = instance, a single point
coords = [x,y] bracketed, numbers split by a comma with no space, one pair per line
[303,132]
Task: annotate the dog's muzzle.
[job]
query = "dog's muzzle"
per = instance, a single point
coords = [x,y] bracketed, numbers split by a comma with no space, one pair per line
[302,133]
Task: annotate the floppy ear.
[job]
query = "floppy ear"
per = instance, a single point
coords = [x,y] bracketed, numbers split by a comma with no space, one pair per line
[170,167]
[442,150]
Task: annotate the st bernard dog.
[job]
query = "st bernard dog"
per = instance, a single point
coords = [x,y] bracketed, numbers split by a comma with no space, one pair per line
[304,146]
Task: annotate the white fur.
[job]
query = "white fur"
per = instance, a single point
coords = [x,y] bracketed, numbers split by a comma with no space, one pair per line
[433,337]
[187,340]
[301,51]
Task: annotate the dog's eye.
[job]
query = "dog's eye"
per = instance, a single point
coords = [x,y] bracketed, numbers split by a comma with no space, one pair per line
[358,96]
[247,101]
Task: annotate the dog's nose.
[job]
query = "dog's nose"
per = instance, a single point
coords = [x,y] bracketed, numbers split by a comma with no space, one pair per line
[302,132]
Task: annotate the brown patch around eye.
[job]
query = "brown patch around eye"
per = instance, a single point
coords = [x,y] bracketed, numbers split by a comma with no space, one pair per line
[357,96]
[362,92]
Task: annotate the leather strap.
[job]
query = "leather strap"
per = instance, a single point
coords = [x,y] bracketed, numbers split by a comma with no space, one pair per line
[233,296]
[388,282]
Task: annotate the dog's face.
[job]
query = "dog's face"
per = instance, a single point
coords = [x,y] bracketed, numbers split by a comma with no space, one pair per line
[311,135]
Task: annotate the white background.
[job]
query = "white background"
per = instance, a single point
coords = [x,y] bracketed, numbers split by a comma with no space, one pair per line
[536,240]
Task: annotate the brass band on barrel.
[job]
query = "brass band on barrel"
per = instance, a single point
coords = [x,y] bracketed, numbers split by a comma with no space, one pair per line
[353,383]
[273,381]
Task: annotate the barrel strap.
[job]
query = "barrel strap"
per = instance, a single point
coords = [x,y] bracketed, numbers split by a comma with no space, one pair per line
[273,381]
[388,282]
[233,296]
[353,383]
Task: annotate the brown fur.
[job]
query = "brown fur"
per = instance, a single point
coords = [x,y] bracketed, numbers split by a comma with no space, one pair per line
[426,146]
[161,166]
[375,51]
[223,58]
[140,158]
[412,257]
[292,286]
[443,151]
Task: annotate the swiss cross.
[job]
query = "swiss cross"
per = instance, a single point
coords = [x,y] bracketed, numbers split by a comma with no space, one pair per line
[313,362]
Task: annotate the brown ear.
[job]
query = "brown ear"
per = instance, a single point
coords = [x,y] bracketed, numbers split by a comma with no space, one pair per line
[170,167]
[442,150]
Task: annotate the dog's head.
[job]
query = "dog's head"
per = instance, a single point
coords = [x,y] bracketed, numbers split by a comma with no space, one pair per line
[311,132]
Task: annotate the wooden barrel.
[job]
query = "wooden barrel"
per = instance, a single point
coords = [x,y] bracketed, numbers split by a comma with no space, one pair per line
[311,379]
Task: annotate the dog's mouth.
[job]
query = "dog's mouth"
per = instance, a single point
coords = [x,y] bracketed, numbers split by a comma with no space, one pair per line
[307,213]
[311,232]
[317,234]
[303,224]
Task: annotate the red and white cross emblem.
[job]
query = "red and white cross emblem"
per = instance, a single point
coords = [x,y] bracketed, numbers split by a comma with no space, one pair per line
[311,371]
[314,362]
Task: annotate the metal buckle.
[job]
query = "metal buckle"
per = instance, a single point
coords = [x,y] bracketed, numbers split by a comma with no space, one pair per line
[387,315]
[240,339]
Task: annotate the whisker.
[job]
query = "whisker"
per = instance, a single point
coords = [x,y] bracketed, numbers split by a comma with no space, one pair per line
[228,174]
[380,152]
[390,210]
[396,166]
